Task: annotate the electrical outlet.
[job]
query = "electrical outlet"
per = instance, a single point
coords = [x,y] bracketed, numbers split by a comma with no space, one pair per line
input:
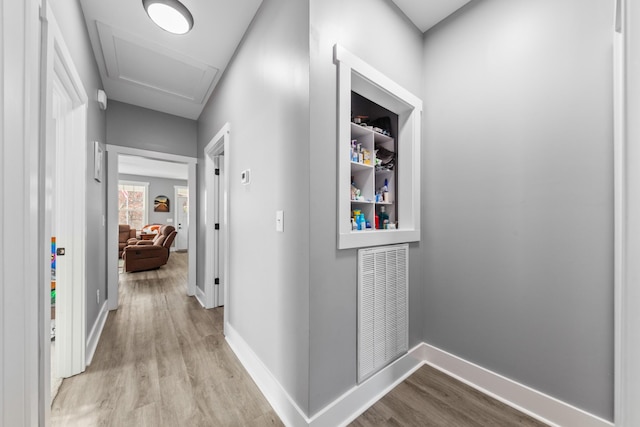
[98,296]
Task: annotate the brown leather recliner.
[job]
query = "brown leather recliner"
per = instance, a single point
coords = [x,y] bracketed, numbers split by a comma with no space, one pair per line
[149,254]
[124,234]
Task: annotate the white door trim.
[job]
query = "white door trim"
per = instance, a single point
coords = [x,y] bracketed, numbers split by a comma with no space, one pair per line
[65,165]
[627,213]
[70,207]
[218,145]
[113,151]
[21,263]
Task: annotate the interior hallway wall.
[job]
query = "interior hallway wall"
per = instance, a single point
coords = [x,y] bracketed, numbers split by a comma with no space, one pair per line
[377,32]
[518,184]
[138,127]
[264,95]
[71,21]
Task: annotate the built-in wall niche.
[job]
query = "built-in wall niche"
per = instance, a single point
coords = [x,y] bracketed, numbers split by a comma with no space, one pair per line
[373,166]
[379,157]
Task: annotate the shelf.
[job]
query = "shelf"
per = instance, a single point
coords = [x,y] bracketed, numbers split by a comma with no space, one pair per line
[360,166]
[384,203]
[383,140]
[364,202]
[358,131]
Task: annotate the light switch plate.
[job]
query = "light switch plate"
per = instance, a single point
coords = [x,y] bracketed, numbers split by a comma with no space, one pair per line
[280,221]
[245,176]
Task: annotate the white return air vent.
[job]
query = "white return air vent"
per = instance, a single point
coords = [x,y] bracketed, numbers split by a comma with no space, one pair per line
[383,331]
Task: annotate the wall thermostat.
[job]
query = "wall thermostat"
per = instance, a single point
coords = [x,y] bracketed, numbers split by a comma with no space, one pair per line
[245,176]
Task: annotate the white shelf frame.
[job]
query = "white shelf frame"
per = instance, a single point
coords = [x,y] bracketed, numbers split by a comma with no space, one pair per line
[356,75]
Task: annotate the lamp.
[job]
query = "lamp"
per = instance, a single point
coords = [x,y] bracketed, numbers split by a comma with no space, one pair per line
[170,15]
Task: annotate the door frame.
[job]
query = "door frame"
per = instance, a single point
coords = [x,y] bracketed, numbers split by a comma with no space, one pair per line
[175,212]
[113,151]
[627,213]
[21,230]
[219,144]
[65,168]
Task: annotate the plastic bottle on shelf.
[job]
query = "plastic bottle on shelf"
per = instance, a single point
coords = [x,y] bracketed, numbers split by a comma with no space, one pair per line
[385,191]
[382,217]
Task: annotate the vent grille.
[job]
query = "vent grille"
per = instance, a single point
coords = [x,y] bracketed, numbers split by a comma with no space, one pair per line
[383,333]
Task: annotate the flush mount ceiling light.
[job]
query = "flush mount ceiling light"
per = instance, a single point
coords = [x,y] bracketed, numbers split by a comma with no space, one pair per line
[170,15]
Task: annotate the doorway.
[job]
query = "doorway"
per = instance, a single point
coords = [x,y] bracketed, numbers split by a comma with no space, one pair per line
[217,281]
[114,153]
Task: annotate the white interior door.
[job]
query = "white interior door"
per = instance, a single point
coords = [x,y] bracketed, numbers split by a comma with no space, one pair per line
[65,177]
[182,218]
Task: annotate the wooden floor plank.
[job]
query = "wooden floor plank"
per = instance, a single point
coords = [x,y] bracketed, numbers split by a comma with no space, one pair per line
[431,398]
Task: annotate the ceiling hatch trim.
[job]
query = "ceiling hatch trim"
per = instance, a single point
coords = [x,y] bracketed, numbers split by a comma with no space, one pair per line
[155,67]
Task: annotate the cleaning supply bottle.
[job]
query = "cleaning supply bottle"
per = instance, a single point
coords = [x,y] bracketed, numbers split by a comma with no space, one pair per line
[383,217]
[385,191]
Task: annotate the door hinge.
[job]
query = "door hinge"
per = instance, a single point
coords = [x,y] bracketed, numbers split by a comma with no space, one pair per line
[216,281]
[217,226]
[217,171]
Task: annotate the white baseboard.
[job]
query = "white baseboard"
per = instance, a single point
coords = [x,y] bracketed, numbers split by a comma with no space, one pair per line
[288,411]
[343,410]
[200,296]
[96,331]
[519,396]
[358,399]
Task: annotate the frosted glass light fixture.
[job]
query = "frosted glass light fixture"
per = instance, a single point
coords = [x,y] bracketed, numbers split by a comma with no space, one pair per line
[170,15]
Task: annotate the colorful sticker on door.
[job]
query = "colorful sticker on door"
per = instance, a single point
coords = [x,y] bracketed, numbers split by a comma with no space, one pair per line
[53,271]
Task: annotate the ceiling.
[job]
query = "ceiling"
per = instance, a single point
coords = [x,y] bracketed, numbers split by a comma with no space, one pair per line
[135,165]
[426,13]
[143,65]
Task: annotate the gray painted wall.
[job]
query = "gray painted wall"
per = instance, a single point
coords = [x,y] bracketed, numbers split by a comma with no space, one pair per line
[138,127]
[157,187]
[379,34]
[264,95]
[517,223]
[72,25]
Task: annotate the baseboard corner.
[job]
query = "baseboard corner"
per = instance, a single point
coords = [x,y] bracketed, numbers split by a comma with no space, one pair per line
[96,331]
[200,296]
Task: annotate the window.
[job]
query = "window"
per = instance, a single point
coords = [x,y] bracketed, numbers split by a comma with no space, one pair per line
[132,203]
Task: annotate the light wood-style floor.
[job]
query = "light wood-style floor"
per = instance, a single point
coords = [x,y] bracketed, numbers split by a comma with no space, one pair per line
[162,361]
[429,398]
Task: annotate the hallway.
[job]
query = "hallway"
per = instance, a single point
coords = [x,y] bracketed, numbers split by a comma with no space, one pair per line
[162,360]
